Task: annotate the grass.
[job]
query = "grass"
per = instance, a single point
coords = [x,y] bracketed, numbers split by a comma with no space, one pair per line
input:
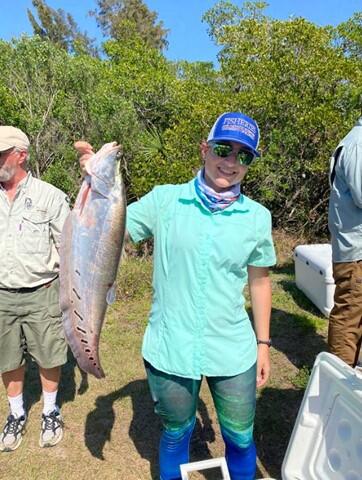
[111,431]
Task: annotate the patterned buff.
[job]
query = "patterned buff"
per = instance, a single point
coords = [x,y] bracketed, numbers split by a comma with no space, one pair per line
[212,200]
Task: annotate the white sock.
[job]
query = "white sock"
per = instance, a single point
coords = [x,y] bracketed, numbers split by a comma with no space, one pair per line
[49,399]
[17,405]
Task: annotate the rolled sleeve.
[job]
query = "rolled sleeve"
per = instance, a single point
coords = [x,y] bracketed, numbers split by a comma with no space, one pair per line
[141,218]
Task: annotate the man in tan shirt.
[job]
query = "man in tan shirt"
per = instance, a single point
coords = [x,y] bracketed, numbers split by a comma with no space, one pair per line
[32,214]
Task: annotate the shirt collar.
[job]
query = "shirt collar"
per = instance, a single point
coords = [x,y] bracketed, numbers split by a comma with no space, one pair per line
[26,181]
[189,194]
[23,184]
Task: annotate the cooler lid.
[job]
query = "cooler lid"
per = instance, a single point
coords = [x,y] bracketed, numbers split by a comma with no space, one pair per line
[326,442]
[318,257]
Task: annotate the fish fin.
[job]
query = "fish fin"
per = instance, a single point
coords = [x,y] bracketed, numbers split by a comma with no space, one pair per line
[111,294]
[99,186]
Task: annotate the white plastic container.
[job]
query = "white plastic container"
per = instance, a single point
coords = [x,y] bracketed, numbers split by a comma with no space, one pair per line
[314,274]
[220,463]
[326,442]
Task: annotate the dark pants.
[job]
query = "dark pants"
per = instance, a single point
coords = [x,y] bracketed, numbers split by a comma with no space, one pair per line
[345,321]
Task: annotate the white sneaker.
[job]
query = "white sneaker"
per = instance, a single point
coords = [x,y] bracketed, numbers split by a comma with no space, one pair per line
[12,434]
[51,429]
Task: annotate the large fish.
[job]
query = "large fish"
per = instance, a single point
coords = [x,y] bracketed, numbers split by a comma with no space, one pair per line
[90,252]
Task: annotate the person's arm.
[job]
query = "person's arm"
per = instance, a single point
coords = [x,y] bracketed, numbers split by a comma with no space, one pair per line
[352,166]
[261,301]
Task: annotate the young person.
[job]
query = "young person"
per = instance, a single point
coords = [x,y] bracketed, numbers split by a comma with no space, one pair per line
[209,241]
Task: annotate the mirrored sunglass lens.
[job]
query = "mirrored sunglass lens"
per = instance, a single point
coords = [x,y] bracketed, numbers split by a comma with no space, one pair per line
[222,150]
[245,158]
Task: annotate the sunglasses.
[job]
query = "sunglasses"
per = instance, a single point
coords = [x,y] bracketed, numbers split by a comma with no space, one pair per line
[223,150]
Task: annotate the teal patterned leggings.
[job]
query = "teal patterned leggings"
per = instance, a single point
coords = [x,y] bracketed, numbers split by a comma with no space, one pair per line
[175,399]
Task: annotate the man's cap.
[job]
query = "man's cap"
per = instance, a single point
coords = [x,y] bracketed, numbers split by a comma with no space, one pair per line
[11,137]
[236,127]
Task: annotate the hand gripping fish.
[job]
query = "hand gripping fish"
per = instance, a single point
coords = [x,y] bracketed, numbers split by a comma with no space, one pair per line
[90,251]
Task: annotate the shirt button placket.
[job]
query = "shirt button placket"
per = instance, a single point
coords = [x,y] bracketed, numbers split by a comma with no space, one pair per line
[202,276]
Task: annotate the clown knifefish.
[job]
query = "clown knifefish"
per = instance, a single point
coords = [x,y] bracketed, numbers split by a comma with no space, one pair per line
[91,246]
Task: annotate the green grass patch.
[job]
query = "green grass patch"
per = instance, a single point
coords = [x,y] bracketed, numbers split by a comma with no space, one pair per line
[300,380]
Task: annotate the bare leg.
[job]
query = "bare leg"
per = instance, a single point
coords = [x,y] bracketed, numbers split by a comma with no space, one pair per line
[49,378]
[14,381]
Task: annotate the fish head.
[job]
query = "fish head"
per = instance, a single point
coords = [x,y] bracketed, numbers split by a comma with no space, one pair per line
[103,164]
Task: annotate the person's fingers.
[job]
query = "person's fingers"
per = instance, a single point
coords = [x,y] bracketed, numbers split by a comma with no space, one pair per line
[83,160]
[262,377]
[85,151]
[83,147]
[259,373]
[259,377]
[263,367]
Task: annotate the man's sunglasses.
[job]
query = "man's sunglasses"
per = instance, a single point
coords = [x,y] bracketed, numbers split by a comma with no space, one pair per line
[223,150]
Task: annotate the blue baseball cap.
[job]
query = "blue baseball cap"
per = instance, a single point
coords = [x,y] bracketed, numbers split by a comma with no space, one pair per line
[236,127]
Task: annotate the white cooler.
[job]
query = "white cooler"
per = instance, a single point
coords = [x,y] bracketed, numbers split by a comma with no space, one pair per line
[314,274]
[326,442]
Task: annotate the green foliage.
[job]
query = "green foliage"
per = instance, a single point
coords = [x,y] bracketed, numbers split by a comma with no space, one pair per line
[59,99]
[300,87]
[301,82]
[58,175]
[349,36]
[124,19]
[189,104]
[144,76]
[60,28]
[34,79]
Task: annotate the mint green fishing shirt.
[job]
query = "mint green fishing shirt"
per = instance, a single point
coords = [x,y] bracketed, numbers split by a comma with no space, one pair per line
[198,324]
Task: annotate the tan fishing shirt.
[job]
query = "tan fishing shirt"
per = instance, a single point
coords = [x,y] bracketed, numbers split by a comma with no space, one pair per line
[30,229]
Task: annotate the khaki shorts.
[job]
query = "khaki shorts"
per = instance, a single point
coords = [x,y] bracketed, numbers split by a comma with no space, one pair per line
[31,322]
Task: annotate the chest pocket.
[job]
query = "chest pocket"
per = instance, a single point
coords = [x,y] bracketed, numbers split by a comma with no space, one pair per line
[34,234]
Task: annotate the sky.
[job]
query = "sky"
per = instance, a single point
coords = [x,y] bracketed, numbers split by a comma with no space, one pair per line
[188,38]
